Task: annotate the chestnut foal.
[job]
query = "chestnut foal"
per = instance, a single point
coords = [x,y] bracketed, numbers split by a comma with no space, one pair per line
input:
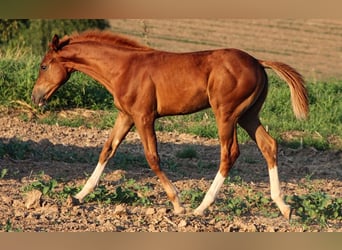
[147,84]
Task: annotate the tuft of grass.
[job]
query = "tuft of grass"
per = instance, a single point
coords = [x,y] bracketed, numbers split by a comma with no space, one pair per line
[3,173]
[132,195]
[316,208]
[129,192]
[45,187]
[15,149]
[193,196]
[187,152]
[53,119]
[235,206]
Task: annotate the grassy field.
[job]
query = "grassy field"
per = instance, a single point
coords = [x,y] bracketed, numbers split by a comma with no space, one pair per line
[323,129]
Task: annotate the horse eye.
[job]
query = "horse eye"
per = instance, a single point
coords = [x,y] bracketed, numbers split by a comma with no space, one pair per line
[43,67]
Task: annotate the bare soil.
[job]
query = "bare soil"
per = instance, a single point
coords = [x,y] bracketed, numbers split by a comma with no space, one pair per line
[56,152]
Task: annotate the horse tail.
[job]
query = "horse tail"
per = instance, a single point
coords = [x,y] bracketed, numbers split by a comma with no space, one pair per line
[299,94]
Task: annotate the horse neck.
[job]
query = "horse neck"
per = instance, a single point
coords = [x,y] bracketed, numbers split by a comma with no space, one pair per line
[94,61]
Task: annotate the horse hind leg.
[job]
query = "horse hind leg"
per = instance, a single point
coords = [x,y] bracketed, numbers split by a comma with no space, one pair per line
[122,126]
[268,147]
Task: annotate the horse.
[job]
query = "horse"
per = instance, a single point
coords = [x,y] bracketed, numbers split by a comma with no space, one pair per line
[147,83]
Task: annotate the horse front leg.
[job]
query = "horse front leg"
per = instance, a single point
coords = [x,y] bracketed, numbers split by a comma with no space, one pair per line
[145,127]
[229,154]
[122,126]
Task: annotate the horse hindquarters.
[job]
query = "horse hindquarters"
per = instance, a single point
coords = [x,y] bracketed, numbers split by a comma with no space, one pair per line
[230,97]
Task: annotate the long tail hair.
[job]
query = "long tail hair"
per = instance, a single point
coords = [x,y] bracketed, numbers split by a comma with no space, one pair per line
[299,94]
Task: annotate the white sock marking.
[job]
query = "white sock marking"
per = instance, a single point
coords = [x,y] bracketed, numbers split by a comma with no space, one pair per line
[276,193]
[92,181]
[211,193]
[274,182]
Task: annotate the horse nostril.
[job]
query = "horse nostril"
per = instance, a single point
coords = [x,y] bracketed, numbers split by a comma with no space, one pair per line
[34,99]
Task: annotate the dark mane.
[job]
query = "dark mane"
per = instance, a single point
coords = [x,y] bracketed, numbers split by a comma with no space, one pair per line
[106,37]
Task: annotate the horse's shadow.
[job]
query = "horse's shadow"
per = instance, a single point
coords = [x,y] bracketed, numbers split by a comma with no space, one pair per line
[180,161]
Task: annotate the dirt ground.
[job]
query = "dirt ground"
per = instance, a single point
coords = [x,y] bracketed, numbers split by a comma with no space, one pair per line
[49,153]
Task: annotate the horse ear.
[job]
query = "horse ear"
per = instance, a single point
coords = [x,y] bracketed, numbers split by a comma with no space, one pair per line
[65,41]
[55,43]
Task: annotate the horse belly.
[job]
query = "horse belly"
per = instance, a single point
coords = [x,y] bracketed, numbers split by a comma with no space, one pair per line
[181,101]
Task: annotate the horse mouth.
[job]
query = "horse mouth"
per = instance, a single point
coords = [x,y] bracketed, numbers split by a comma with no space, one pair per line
[42,102]
[41,98]
[39,101]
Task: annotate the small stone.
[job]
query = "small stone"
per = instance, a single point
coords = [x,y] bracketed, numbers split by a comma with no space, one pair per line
[32,199]
[119,209]
[101,219]
[162,211]
[219,225]
[135,210]
[150,211]
[6,199]
[108,226]
[212,222]
[19,213]
[182,223]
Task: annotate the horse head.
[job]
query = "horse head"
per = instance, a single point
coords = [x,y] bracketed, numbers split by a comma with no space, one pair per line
[52,72]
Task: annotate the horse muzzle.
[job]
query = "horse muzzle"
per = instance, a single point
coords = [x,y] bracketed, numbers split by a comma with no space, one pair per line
[39,97]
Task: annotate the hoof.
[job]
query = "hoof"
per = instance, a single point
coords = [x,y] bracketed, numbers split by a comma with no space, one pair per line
[287,212]
[198,212]
[75,201]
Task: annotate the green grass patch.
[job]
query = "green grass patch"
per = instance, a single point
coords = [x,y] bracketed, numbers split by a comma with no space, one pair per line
[192,196]
[129,192]
[45,187]
[18,76]
[15,149]
[325,118]
[316,208]
[187,152]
